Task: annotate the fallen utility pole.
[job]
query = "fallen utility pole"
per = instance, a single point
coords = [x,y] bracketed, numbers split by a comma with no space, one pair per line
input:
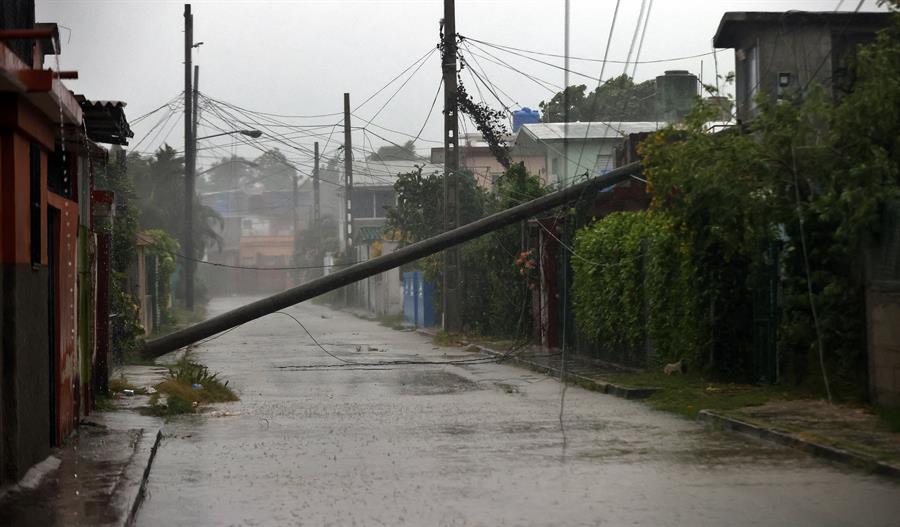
[314,288]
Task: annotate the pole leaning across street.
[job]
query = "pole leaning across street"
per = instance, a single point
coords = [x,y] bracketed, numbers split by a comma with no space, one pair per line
[314,288]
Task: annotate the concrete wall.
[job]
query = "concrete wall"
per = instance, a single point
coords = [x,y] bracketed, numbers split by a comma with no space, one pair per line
[582,156]
[804,52]
[25,382]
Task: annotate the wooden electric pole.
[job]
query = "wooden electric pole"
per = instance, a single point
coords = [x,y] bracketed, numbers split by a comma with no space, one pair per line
[451,272]
[188,241]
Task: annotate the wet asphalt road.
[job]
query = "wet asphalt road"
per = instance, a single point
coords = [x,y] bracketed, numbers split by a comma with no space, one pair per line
[466,445]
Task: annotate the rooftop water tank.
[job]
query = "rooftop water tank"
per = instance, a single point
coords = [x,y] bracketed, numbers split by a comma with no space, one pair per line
[676,94]
[525,116]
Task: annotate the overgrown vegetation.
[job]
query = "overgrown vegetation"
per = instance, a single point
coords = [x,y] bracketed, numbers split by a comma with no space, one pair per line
[188,385]
[635,282]
[618,99]
[126,329]
[791,200]
[496,271]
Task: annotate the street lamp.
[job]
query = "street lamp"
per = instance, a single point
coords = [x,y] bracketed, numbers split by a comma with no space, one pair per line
[249,133]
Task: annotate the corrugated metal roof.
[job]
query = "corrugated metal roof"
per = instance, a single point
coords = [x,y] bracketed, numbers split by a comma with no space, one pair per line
[586,130]
[105,121]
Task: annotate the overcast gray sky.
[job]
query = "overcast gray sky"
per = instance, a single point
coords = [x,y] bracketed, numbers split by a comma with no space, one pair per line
[298,57]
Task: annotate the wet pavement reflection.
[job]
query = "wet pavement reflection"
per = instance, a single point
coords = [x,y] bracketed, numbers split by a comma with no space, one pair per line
[317,442]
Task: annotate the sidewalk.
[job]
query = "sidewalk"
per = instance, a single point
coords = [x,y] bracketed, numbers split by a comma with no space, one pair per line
[96,478]
[846,434]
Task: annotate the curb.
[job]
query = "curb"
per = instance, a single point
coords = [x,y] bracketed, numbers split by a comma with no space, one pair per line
[817,449]
[138,498]
[622,392]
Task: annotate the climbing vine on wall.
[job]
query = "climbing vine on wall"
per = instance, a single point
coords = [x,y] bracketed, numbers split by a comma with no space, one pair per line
[634,281]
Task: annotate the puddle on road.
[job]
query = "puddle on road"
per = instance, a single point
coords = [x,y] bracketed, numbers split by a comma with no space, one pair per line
[433,382]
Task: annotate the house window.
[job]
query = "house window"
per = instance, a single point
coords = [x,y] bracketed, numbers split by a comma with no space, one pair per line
[554,168]
[59,179]
[34,188]
[362,204]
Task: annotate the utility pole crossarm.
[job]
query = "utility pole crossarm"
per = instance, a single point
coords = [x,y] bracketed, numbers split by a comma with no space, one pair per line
[360,271]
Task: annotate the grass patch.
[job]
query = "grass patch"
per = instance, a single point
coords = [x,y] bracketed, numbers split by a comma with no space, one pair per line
[686,395]
[187,386]
[443,338]
[394,322]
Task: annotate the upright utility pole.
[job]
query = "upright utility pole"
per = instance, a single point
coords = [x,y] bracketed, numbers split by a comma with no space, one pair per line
[348,174]
[316,210]
[451,275]
[295,194]
[348,191]
[188,241]
[196,117]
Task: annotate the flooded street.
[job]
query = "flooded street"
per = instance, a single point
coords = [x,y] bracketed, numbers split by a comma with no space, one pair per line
[316,441]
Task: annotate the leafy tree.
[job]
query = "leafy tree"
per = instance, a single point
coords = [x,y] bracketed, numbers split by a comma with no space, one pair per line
[227,174]
[419,211]
[274,171]
[406,152]
[496,298]
[618,99]
[810,174]
[126,327]
[159,188]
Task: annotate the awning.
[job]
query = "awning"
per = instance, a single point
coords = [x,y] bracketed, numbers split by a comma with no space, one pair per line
[105,121]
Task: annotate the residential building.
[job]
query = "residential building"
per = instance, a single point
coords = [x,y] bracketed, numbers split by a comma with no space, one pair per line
[781,54]
[476,156]
[373,194]
[51,258]
[572,150]
[257,231]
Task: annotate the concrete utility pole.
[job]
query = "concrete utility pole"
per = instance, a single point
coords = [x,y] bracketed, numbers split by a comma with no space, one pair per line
[348,174]
[196,117]
[348,191]
[363,270]
[316,210]
[295,195]
[188,241]
[451,279]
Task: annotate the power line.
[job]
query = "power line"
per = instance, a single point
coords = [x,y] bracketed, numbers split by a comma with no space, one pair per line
[422,58]
[637,58]
[655,61]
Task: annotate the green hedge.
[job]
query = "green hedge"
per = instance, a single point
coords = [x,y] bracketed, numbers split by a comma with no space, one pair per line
[633,280]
